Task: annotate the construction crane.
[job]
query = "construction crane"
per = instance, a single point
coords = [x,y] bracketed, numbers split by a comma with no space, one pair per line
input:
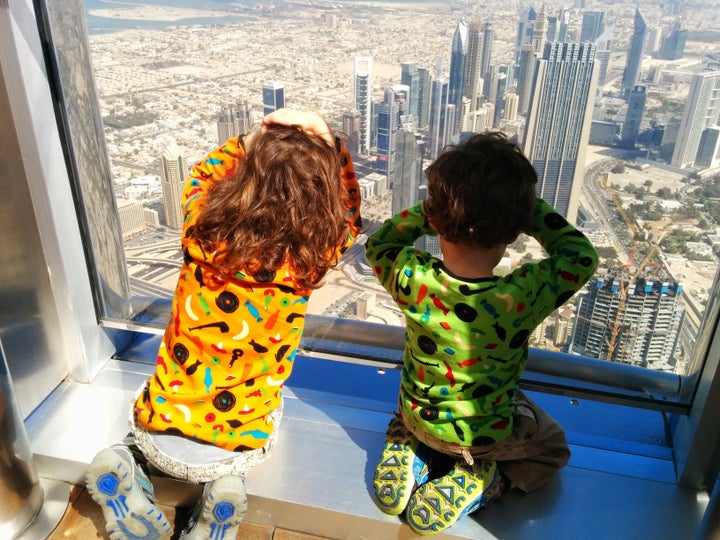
[615,329]
[637,236]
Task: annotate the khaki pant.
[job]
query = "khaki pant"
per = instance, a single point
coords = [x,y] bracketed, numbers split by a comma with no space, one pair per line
[533,453]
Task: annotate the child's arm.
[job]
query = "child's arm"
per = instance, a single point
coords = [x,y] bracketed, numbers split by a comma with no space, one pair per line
[351,195]
[218,164]
[571,262]
[391,246]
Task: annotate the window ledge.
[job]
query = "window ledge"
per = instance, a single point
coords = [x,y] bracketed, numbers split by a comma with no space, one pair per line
[319,478]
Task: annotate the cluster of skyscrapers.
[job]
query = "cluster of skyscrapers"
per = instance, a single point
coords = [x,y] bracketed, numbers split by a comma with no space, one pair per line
[543,95]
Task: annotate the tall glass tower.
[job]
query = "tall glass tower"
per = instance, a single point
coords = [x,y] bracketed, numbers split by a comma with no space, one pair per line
[172,181]
[410,77]
[473,65]
[558,124]
[439,117]
[389,112]
[273,97]
[633,118]
[363,99]
[592,25]
[486,62]
[702,110]
[458,60]
[631,74]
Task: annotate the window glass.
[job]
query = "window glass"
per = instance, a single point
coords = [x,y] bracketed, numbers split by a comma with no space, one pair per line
[616,139]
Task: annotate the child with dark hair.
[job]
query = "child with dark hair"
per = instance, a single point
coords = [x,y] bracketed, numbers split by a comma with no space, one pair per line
[464,431]
[266,216]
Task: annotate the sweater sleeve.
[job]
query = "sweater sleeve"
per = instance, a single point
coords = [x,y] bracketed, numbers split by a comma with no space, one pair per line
[390,247]
[351,196]
[219,164]
[571,261]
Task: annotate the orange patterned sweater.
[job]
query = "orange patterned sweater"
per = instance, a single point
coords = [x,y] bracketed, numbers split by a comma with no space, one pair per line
[231,340]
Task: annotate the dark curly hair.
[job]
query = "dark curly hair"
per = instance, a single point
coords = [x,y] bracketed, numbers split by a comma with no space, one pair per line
[284,202]
[481,191]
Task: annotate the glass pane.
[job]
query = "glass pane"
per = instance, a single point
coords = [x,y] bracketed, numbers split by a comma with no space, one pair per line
[400,80]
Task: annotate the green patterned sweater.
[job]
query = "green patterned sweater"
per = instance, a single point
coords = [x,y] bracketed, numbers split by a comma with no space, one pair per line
[467,339]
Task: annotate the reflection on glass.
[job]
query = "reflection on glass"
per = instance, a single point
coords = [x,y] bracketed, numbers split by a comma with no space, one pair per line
[621,126]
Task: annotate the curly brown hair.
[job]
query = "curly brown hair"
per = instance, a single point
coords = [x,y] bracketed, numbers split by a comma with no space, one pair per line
[284,202]
[481,191]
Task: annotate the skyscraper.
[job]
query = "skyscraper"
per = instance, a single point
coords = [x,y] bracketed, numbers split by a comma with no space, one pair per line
[172,181]
[673,43]
[363,99]
[539,35]
[351,129]
[631,73]
[410,77]
[439,108]
[702,110]
[526,69]
[234,120]
[602,55]
[592,25]
[408,173]
[486,62]
[559,119]
[524,30]
[645,317]
[273,97]
[633,118]
[473,65]
[708,154]
[424,96]
[458,60]
[389,111]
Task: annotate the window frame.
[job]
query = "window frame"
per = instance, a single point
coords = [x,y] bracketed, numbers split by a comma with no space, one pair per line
[62,32]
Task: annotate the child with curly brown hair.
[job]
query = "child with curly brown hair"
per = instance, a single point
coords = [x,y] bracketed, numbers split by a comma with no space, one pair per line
[266,216]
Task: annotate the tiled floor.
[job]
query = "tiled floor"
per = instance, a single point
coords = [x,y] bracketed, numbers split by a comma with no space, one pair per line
[83,521]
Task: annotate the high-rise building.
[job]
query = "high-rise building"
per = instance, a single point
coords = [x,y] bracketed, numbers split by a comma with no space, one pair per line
[672,46]
[702,110]
[511,107]
[526,69]
[524,30]
[351,130]
[631,73]
[410,77]
[499,90]
[408,173]
[539,37]
[486,62]
[362,98]
[593,25]
[563,23]
[633,118]
[602,55]
[708,154]
[439,108]
[559,120]
[172,180]
[273,97]
[458,60]
[389,111]
[636,322]
[473,65]
[234,120]
[424,97]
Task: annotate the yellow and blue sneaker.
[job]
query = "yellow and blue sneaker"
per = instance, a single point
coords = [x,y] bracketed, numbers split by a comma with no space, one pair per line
[403,465]
[439,503]
[125,494]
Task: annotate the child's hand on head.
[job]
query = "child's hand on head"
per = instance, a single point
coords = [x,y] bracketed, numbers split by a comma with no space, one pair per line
[309,122]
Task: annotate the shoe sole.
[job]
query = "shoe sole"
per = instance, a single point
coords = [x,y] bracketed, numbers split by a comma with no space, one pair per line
[437,505]
[128,513]
[223,509]
[394,477]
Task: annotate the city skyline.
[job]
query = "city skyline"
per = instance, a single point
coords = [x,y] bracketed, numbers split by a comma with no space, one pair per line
[337,97]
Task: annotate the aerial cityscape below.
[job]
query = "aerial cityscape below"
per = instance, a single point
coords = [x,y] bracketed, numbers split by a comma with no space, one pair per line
[617,105]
